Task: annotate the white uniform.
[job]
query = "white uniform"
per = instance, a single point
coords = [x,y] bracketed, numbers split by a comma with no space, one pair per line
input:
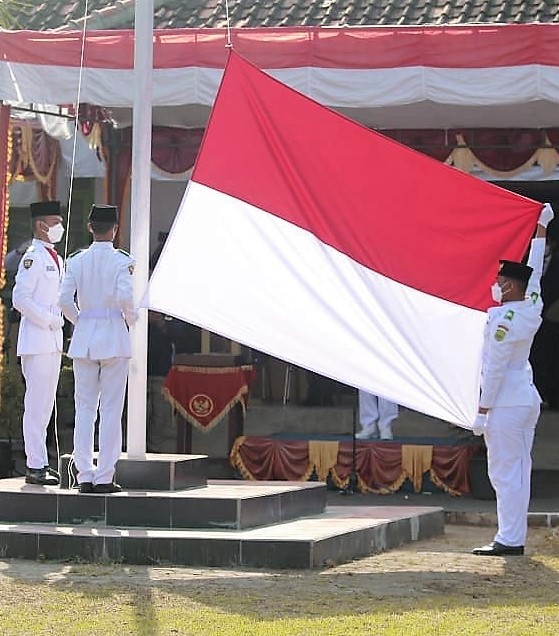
[101,277]
[376,416]
[39,343]
[508,391]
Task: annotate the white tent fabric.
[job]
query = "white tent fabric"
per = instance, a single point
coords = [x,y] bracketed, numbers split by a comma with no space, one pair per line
[382,76]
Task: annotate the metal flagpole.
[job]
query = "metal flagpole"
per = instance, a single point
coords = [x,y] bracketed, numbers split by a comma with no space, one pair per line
[140,222]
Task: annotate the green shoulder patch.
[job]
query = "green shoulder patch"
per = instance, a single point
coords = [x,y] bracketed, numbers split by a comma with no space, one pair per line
[500,333]
[509,315]
[118,249]
[534,297]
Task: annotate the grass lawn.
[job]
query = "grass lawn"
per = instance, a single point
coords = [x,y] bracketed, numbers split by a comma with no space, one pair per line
[431,587]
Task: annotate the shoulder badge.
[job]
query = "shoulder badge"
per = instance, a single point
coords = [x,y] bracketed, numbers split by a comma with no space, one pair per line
[27,262]
[118,249]
[509,315]
[131,269]
[534,297]
[501,332]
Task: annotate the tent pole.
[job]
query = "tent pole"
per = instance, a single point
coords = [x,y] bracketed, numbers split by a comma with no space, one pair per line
[140,222]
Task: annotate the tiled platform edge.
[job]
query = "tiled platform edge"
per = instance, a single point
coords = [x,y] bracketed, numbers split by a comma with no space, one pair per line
[338,535]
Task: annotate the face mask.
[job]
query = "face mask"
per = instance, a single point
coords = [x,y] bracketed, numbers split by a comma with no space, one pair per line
[55,233]
[497,293]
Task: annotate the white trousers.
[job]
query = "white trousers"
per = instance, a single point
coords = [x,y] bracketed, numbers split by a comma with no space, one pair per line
[376,414]
[99,385]
[509,437]
[41,372]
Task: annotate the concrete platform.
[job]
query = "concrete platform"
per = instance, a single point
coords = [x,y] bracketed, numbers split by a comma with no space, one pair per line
[338,535]
[233,505]
[154,471]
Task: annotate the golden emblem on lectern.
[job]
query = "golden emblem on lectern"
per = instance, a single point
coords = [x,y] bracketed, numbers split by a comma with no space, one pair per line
[201,405]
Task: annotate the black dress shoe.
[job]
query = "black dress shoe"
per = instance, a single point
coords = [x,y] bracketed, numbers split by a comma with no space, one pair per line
[85,487]
[40,477]
[52,472]
[106,488]
[498,549]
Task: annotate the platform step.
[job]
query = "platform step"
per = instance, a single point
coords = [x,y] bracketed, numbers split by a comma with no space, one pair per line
[154,471]
[220,504]
[336,536]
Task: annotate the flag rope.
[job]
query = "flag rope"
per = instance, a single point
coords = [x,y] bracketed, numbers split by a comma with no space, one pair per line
[76,127]
[70,192]
[228,43]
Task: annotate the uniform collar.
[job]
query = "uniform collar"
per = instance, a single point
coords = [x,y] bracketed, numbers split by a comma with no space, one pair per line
[38,241]
[102,245]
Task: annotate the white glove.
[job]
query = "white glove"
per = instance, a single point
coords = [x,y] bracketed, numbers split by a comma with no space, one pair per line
[480,424]
[546,215]
[56,322]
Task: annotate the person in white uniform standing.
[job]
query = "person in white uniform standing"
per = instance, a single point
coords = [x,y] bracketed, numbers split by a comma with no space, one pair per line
[509,404]
[96,296]
[375,416]
[39,343]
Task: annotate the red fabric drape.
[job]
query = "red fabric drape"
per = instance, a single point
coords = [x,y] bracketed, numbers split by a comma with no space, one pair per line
[118,165]
[378,465]
[516,146]
[449,466]
[35,155]
[174,150]
[435,143]
[203,395]
[267,459]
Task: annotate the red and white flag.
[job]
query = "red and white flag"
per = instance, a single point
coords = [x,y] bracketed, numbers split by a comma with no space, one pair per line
[306,236]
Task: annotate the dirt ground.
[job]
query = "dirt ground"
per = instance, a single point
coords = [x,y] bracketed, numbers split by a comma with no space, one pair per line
[418,568]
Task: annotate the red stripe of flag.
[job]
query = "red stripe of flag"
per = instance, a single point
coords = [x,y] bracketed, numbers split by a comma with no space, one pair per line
[391,209]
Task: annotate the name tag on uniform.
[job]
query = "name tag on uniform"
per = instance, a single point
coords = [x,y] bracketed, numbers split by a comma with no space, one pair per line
[51,268]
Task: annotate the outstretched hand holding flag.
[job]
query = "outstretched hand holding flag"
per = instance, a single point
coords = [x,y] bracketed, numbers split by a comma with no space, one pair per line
[304,235]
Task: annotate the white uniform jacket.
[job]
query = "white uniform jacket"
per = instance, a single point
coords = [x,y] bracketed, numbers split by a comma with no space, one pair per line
[35,296]
[101,279]
[506,377]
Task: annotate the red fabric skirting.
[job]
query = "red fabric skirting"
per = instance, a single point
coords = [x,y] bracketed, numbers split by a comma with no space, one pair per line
[378,465]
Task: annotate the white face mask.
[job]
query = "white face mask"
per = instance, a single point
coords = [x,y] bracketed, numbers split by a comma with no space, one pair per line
[55,233]
[497,293]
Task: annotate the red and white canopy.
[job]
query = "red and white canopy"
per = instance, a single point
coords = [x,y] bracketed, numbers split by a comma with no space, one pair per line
[493,75]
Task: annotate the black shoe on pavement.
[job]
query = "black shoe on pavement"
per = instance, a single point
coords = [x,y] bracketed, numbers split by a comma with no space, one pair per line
[106,488]
[498,549]
[40,477]
[85,487]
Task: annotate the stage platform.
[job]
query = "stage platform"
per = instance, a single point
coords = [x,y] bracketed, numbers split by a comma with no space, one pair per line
[275,525]
[288,426]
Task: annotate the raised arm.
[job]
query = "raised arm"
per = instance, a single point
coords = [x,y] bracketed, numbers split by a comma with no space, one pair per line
[537,251]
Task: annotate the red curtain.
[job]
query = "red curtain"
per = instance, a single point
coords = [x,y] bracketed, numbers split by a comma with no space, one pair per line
[378,465]
[35,155]
[503,149]
[174,150]
[438,144]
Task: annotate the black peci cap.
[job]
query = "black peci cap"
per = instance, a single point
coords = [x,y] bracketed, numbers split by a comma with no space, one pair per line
[45,208]
[517,271]
[104,213]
